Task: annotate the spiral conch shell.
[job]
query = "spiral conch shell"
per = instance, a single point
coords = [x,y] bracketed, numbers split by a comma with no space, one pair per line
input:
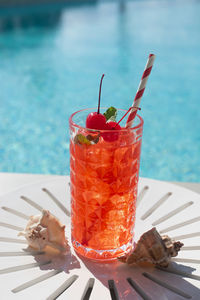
[153,249]
[45,230]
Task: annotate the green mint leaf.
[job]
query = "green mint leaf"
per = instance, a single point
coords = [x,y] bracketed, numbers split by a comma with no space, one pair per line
[111,114]
[81,139]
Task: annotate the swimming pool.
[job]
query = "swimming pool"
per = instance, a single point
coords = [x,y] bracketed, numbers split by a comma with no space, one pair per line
[51,64]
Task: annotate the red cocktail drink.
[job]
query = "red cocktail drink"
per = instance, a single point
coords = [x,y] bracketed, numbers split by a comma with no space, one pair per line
[104,173]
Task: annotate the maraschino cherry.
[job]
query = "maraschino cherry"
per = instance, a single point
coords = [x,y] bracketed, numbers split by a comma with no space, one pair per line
[112,126]
[111,136]
[96,120]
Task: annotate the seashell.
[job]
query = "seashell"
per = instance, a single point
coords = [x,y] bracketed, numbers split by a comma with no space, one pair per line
[153,249]
[45,230]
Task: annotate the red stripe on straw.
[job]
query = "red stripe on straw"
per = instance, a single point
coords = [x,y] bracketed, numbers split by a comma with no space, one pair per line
[146,72]
[126,114]
[132,115]
[139,94]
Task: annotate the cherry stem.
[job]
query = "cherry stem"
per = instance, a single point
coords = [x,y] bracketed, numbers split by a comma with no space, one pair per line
[98,110]
[126,114]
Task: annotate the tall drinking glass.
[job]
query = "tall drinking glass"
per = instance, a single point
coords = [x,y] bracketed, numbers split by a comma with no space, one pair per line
[104,173]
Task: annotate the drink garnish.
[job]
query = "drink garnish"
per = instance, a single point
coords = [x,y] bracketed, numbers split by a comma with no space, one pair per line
[111,114]
[93,138]
[137,108]
[111,124]
[96,120]
[81,139]
[111,136]
[86,140]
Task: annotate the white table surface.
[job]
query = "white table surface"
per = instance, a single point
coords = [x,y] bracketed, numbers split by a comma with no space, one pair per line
[164,205]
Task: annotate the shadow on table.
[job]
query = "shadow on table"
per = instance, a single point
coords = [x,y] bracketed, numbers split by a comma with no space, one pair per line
[65,262]
[119,272]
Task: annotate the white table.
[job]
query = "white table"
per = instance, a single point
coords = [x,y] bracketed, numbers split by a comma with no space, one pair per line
[23,276]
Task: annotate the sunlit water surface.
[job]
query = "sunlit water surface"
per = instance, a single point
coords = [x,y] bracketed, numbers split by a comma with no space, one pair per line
[51,64]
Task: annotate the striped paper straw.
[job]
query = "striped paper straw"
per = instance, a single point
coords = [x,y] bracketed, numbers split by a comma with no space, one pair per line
[140,90]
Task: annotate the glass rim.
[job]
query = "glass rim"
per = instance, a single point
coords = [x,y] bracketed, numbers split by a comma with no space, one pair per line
[71,122]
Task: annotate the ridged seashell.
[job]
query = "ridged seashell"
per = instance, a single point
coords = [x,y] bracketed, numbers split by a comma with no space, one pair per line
[153,249]
[45,230]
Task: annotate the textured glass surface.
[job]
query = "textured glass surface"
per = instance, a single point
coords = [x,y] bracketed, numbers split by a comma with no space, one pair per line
[103,183]
[51,64]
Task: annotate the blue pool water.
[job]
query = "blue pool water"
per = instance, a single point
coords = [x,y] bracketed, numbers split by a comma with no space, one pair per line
[51,64]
